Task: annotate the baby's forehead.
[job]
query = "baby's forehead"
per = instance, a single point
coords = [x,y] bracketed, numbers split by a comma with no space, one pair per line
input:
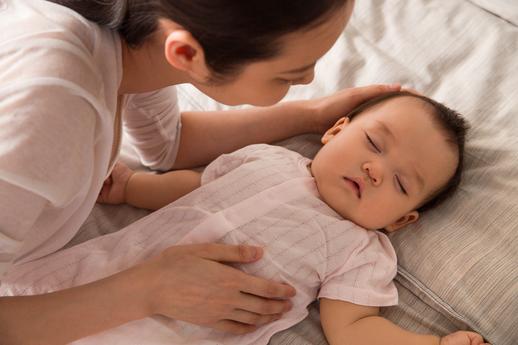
[400,108]
[405,103]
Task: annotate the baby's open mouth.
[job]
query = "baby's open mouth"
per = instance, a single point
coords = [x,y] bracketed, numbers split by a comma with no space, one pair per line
[354,185]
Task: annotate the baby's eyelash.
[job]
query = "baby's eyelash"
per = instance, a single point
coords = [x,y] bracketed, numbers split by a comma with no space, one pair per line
[372,143]
[401,186]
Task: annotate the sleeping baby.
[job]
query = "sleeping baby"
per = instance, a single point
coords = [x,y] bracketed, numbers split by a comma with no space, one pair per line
[322,223]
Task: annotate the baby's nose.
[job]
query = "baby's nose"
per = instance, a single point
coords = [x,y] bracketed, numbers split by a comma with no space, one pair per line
[374,174]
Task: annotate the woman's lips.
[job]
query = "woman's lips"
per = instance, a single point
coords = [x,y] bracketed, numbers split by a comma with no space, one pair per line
[355,185]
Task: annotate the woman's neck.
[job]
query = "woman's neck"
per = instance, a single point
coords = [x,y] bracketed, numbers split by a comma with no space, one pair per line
[145,69]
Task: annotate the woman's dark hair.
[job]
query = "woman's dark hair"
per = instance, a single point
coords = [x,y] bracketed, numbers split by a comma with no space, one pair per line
[231,32]
[450,122]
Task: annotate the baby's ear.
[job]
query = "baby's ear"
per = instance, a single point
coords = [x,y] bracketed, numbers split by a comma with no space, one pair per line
[333,131]
[409,218]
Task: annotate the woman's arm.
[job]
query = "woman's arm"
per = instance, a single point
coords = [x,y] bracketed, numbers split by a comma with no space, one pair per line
[348,323]
[206,135]
[185,282]
[67,315]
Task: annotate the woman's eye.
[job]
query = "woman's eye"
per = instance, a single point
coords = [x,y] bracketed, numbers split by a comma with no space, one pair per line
[372,143]
[289,81]
[400,185]
[284,81]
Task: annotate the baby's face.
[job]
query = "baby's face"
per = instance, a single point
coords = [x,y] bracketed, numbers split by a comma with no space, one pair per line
[378,168]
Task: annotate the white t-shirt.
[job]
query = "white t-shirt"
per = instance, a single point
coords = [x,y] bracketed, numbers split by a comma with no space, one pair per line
[59,132]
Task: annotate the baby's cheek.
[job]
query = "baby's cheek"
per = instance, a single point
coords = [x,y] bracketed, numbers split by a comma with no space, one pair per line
[376,215]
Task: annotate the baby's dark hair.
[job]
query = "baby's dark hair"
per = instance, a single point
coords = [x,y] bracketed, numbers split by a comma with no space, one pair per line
[454,126]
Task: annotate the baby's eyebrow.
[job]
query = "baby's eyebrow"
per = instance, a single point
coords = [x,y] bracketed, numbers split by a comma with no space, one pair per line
[386,130]
[419,178]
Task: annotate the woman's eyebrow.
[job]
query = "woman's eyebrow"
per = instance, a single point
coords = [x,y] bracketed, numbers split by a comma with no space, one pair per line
[300,69]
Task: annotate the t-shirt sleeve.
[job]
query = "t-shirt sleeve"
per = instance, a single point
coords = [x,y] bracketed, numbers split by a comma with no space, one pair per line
[152,122]
[366,275]
[46,161]
[56,124]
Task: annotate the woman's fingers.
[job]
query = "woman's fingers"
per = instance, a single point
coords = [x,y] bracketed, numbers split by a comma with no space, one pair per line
[229,326]
[226,252]
[246,283]
[254,319]
[195,287]
[364,93]
[262,306]
[264,288]
[329,109]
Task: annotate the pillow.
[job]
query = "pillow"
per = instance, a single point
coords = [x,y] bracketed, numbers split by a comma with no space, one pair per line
[505,9]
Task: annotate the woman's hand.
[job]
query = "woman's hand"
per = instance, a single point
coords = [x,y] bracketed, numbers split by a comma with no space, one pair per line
[326,110]
[190,283]
[463,338]
[114,187]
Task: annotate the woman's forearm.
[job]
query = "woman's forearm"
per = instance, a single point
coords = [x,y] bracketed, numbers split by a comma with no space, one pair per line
[206,135]
[68,315]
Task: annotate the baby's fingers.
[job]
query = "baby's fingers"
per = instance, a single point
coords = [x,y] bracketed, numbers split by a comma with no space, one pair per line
[475,338]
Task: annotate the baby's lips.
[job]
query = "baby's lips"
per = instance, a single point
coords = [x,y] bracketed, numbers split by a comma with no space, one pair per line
[361,185]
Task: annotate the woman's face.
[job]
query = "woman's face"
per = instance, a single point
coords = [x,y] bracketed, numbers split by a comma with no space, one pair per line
[267,82]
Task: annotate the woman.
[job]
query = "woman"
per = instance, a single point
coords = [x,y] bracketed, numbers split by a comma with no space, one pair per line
[67,87]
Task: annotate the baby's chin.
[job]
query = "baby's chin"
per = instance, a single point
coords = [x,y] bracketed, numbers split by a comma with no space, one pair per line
[367,226]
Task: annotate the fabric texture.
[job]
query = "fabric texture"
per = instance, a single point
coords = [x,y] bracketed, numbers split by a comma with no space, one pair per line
[505,9]
[59,80]
[260,194]
[458,263]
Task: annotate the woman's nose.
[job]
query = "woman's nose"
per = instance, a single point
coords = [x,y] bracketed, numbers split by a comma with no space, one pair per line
[374,173]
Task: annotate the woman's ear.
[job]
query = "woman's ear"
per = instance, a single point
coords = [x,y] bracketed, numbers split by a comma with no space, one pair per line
[408,218]
[183,52]
[333,131]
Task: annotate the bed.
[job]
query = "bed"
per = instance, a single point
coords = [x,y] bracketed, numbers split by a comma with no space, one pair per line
[458,267]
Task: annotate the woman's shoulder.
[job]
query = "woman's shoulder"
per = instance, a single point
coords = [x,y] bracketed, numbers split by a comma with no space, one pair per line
[44,43]
[39,20]
[55,98]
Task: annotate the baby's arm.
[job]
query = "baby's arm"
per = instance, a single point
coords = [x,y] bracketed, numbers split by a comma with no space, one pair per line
[348,323]
[152,191]
[147,190]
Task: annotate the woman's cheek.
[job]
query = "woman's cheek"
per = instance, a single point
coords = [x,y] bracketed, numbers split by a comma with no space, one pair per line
[275,95]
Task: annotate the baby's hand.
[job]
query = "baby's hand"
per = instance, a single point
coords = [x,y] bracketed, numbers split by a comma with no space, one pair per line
[463,338]
[114,187]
